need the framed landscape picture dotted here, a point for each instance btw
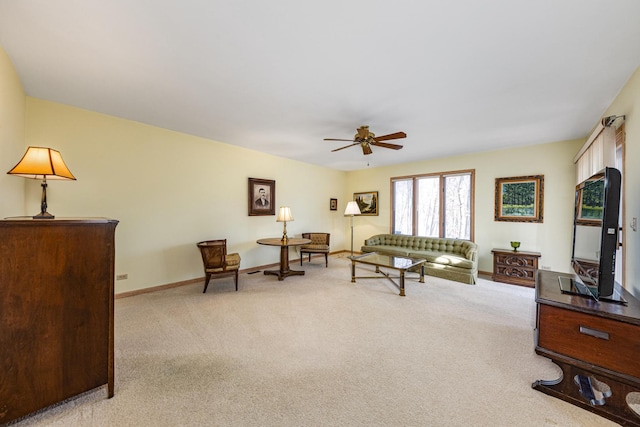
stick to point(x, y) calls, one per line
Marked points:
point(519, 199)
point(367, 202)
point(590, 197)
point(262, 197)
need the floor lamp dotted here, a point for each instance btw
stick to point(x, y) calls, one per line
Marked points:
point(352, 210)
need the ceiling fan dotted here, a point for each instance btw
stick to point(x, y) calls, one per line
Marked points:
point(366, 139)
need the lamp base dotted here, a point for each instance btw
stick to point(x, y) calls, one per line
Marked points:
point(43, 215)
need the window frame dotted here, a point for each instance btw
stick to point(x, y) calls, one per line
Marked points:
point(441, 183)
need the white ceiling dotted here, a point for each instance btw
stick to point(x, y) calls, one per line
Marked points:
point(278, 76)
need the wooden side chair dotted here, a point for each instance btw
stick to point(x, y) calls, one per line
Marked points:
point(319, 245)
point(217, 262)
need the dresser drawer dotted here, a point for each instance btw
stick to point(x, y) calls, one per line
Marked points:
point(516, 260)
point(596, 340)
point(506, 272)
point(517, 268)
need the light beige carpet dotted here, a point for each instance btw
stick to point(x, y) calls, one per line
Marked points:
point(318, 350)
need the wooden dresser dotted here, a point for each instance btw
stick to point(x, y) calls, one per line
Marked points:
point(517, 268)
point(56, 311)
point(589, 339)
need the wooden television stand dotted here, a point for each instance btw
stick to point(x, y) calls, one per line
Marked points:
point(595, 344)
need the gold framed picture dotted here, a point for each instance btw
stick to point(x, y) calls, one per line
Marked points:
point(367, 202)
point(519, 199)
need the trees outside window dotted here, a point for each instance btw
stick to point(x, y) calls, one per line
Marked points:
point(433, 205)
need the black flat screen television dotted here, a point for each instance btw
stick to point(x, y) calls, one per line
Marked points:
point(595, 238)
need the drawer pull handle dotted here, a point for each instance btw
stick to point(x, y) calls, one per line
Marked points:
point(594, 333)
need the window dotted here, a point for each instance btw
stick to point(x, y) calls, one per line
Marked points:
point(434, 205)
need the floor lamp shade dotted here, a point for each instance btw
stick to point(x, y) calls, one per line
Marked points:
point(351, 210)
point(42, 163)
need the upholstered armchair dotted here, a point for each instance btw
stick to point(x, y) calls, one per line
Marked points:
point(217, 262)
point(319, 245)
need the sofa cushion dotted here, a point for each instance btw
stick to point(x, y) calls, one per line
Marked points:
point(419, 243)
point(444, 259)
point(386, 250)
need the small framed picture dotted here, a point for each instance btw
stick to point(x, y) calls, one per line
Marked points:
point(367, 202)
point(333, 204)
point(262, 197)
point(520, 199)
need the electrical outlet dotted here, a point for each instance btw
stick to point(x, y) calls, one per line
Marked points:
point(545, 267)
point(122, 277)
point(634, 224)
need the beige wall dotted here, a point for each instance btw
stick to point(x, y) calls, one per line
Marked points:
point(552, 238)
point(12, 110)
point(628, 103)
point(170, 190)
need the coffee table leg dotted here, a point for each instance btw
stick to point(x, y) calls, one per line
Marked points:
point(353, 271)
point(401, 283)
point(422, 273)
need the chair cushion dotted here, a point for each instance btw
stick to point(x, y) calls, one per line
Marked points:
point(315, 248)
point(232, 261)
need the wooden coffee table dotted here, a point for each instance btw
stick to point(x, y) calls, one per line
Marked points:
point(402, 264)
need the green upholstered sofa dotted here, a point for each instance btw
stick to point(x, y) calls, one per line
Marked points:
point(453, 259)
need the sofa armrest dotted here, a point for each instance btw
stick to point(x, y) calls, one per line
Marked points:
point(471, 253)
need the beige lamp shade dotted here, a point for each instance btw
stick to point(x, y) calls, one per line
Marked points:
point(352, 209)
point(42, 163)
point(284, 214)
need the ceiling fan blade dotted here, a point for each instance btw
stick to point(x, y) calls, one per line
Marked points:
point(346, 146)
point(396, 135)
point(366, 139)
point(387, 145)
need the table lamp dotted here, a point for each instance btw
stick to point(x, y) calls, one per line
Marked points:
point(42, 163)
point(284, 215)
point(352, 210)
